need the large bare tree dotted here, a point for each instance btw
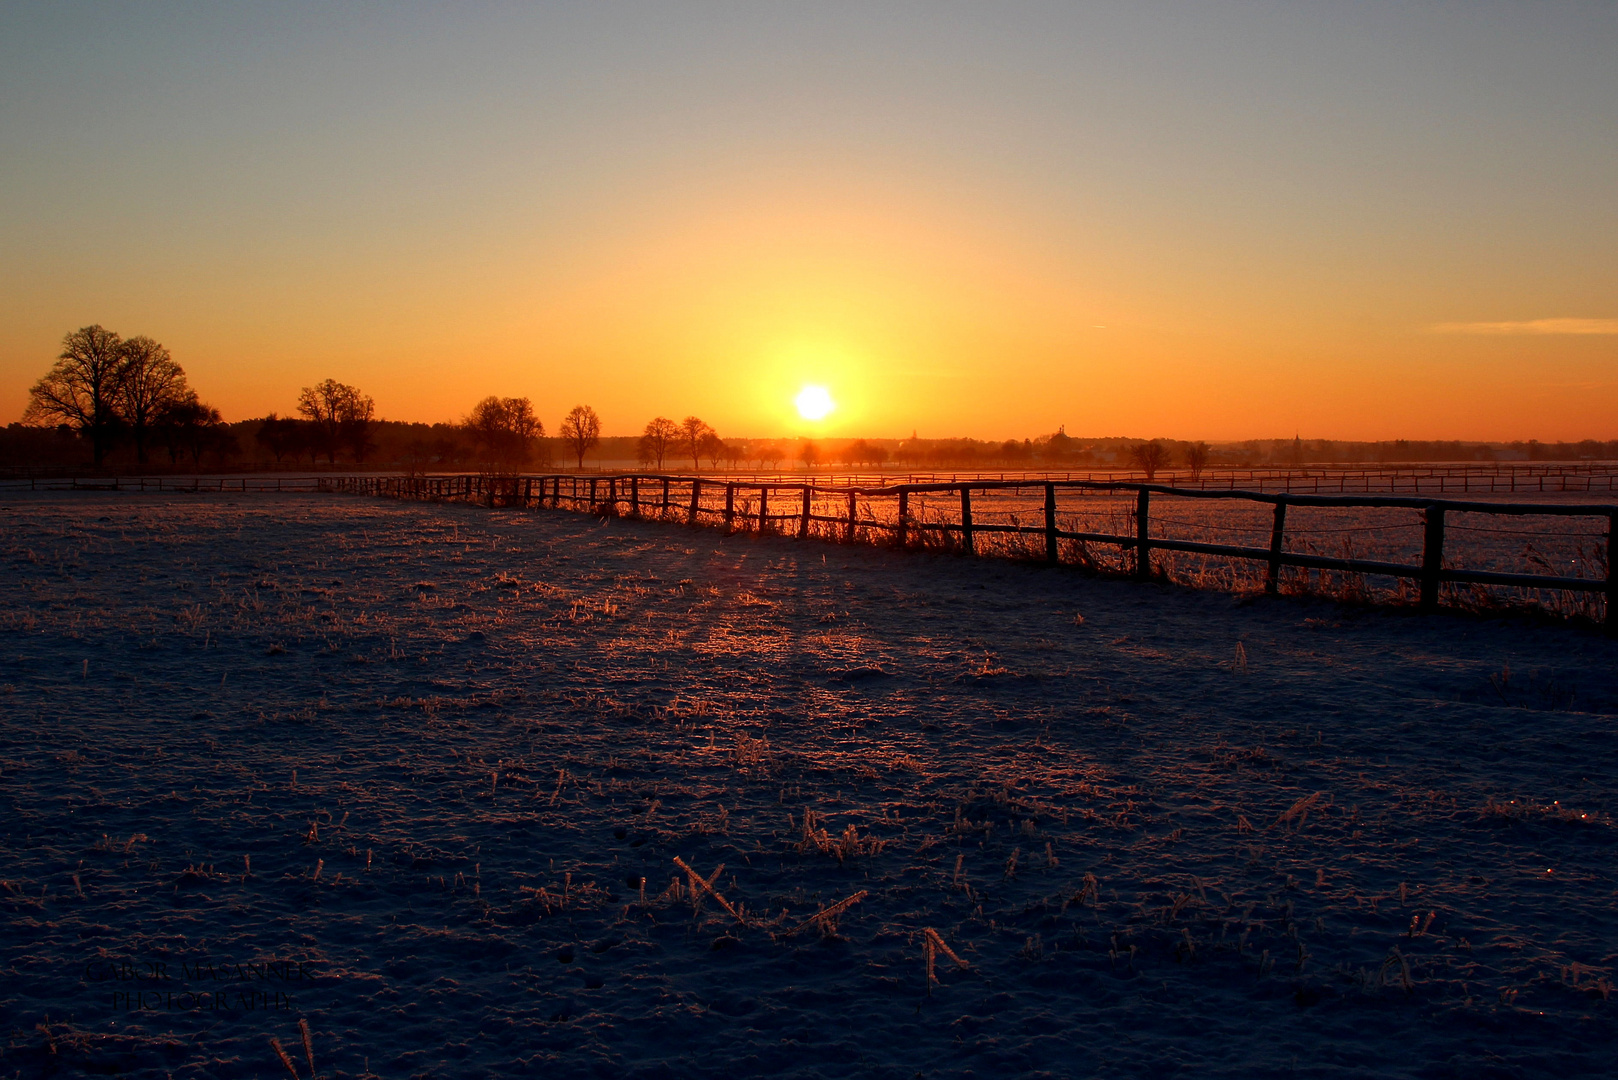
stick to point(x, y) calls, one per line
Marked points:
point(338, 414)
point(581, 430)
point(507, 428)
point(151, 382)
point(82, 388)
point(655, 441)
point(1196, 459)
point(1149, 457)
point(692, 431)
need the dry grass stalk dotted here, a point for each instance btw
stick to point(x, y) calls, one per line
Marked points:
point(1089, 891)
point(308, 1046)
point(931, 946)
point(826, 917)
point(848, 845)
point(1299, 812)
point(698, 882)
point(1397, 957)
point(281, 1053)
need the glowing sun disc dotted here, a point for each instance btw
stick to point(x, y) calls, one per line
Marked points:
point(815, 403)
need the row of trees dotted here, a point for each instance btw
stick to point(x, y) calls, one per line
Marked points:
point(107, 387)
point(336, 417)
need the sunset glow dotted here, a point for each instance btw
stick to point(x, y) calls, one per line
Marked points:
point(815, 403)
point(1126, 220)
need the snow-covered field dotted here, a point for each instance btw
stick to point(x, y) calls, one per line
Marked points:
point(420, 775)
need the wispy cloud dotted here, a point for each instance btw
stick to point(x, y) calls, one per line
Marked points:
point(1532, 326)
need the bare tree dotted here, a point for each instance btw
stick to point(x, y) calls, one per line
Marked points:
point(355, 423)
point(810, 455)
point(507, 428)
point(322, 405)
point(281, 436)
point(191, 427)
point(82, 389)
point(581, 430)
point(692, 432)
point(1196, 459)
point(339, 415)
point(151, 382)
point(713, 448)
point(1149, 457)
point(660, 434)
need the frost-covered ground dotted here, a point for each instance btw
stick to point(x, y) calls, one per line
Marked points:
point(433, 753)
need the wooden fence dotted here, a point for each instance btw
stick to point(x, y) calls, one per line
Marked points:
point(791, 508)
point(217, 484)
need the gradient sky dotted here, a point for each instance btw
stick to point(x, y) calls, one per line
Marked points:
point(1200, 220)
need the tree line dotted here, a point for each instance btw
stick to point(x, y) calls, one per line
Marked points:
point(105, 392)
point(108, 388)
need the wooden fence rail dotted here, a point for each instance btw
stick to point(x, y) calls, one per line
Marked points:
point(214, 484)
point(622, 495)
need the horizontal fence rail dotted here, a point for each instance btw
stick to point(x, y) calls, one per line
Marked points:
point(217, 484)
point(953, 519)
point(1494, 478)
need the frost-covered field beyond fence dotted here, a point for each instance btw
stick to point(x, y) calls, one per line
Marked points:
point(420, 775)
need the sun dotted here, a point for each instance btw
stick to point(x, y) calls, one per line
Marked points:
point(815, 403)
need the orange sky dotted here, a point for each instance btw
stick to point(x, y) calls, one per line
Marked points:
point(1347, 226)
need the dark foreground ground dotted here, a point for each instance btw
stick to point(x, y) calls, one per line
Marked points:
point(420, 775)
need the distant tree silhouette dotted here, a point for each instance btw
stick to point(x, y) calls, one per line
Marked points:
point(692, 432)
point(655, 441)
point(448, 451)
point(149, 383)
point(1149, 457)
point(336, 413)
point(772, 452)
point(581, 430)
point(82, 389)
point(714, 449)
point(280, 436)
point(506, 427)
point(355, 424)
point(1196, 459)
point(191, 428)
point(809, 455)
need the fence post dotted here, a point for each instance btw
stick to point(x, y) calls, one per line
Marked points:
point(1272, 580)
point(966, 519)
point(663, 508)
point(634, 496)
point(730, 506)
point(763, 509)
point(696, 500)
point(1050, 524)
point(853, 515)
point(1143, 533)
point(803, 524)
point(1612, 574)
point(592, 494)
point(904, 517)
point(1432, 555)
